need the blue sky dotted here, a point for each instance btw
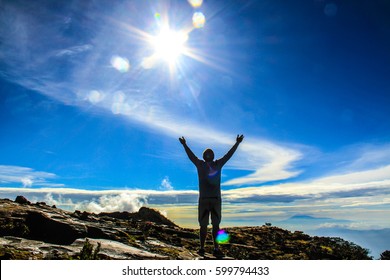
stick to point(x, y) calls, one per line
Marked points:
point(91, 111)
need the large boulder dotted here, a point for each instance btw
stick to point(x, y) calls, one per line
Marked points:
point(151, 215)
point(45, 228)
point(22, 200)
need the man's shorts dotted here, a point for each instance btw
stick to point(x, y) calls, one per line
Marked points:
point(207, 206)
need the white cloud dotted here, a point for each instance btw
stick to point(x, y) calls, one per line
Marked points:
point(26, 176)
point(323, 186)
point(271, 162)
point(59, 201)
point(166, 184)
point(93, 202)
point(360, 177)
point(101, 201)
point(111, 203)
point(27, 182)
point(369, 190)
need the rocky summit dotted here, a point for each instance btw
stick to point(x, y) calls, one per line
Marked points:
point(40, 231)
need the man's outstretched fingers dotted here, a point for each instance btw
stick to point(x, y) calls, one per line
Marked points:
point(182, 140)
point(240, 138)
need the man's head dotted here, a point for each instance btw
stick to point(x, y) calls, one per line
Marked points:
point(208, 155)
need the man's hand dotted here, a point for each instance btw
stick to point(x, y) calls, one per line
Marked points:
point(239, 138)
point(182, 140)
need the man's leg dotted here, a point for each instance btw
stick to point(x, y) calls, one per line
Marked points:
point(202, 236)
point(215, 234)
point(203, 218)
point(216, 216)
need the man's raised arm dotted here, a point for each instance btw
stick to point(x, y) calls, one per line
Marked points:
point(190, 154)
point(229, 154)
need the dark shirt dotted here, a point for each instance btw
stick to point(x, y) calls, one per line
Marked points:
point(209, 173)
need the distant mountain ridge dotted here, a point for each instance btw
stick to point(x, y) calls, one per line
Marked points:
point(40, 231)
point(377, 240)
point(305, 217)
point(309, 218)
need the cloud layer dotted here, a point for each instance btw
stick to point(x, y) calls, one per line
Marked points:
point(357, 200)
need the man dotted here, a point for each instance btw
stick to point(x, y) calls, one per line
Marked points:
point(209, 176)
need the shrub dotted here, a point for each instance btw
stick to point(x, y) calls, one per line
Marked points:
point(88, 252)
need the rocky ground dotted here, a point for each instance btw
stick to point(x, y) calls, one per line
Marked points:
point(40, 231)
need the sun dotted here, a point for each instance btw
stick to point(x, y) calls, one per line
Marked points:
point(169, 44)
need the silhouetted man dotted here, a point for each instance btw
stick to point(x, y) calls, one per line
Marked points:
point(209, 176)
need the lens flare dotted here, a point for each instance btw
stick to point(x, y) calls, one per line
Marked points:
point(198, 20)
point(195, 3)
point(157, 16)
point(94, 96)
point(212, 171)
point(121, 64)
point(222, 237)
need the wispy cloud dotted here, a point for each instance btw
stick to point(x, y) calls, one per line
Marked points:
point(26, 176)
point(355, 184)
point(368, 155)
point(73, 50)
point(269, 161)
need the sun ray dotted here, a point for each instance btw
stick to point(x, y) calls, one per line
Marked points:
point(207, 59)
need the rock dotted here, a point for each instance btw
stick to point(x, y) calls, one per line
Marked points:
point(40, 203)
point(22, 200)
point(114, 250)
point(44, 228)
point(151, 215)
point(143, 214)
point(21, 248)
point(118, 215)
